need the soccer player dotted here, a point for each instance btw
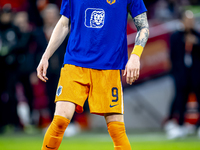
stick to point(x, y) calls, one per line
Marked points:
point(95, 55)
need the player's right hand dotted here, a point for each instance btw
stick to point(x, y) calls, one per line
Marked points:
point(42, 69)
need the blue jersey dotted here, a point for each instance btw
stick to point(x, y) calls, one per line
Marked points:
point(98, 37)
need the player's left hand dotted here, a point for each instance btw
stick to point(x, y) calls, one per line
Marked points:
point(132, 69)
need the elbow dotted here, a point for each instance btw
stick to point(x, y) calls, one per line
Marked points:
point(145, 30)
point(65, 27)
point(148, 31)
point(64, 23)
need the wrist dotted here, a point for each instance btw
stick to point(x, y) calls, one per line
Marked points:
point(137, 50)
point(45, 57)
point(135, 56)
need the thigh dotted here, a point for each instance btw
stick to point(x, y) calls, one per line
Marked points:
point(105, 95)
point(73, 86)
point(113, 117)
point(65, 109)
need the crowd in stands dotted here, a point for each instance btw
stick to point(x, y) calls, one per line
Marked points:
point(25, 29)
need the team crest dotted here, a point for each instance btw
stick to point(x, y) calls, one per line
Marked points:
point(59, 91)
point(111, 1)
point(94, 18)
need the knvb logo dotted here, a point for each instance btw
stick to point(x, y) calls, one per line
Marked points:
point(111, 1)
point(59, 91)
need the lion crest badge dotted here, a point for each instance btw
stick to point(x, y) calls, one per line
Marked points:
point(111, 1)
point(94, 18)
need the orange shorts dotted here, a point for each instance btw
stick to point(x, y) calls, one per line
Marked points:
point(103, 88)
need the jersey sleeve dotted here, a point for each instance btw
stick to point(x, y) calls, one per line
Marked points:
point(65, 8)
point(136, 7)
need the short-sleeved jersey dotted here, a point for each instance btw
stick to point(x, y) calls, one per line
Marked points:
point(98, 37)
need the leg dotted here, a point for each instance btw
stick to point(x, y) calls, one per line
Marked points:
point(197, 93)
point(172, 109)
point(65, 109)
point(182, 101)
point(116, 129)
point(63, 114)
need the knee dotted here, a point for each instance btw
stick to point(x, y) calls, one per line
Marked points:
point(60, 123)
point(65, 109)
point(63, 114)
point(118, 134)
point(115, 128)
point(114, 118)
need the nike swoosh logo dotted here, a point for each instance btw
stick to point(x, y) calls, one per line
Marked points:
point(113, 105)
point(50, 147)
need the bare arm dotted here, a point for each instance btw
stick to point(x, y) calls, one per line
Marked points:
point(133, 65)
point(59, 33)
point(142, 26)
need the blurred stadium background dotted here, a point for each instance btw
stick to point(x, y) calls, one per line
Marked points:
point(27, 104)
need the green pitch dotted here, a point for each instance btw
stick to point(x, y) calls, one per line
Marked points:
point(97, 141)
